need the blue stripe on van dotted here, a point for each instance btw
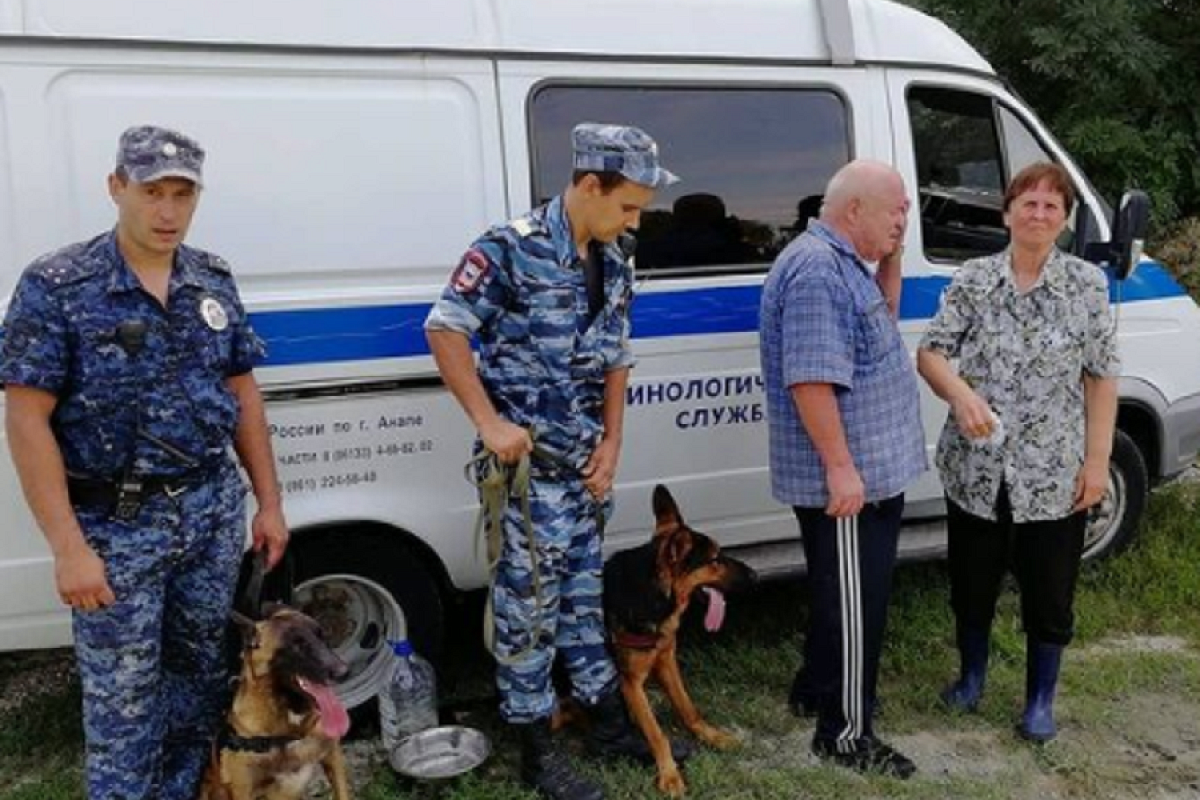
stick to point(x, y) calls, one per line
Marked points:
point(370, 332)
point(360, 333)
point(357, 333)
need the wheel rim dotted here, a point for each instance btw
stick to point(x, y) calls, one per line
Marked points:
point(358, 616)
point(1104, 519)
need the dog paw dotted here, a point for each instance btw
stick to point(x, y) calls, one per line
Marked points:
point(715, 737)
point(670, 783)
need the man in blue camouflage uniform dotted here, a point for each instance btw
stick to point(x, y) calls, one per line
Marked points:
point(126, 363)
point(554, 358)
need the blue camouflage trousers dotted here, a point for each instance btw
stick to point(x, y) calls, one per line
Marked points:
point(152, 665)
point(569, 622)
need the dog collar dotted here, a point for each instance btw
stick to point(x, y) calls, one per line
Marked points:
point(636, 641)
point(229, 740)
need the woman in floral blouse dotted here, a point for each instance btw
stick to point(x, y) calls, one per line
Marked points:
point(1025, 450)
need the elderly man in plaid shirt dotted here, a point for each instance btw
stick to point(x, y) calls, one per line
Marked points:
point(846, 439)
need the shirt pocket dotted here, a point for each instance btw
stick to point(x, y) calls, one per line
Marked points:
point(552, 308)
point(878, 335)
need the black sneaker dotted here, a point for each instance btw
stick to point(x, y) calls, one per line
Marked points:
point(867, 755)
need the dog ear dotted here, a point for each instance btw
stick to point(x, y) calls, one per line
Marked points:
point(247, 627)
point(666, 512)
point(676, 549)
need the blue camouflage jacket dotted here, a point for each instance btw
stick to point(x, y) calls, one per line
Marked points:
point(521, 290)
point(137, 384)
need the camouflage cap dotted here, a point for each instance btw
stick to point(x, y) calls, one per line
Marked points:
point(148, 153)
point(619, 148)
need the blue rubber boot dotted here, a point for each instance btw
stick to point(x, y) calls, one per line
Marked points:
point(1042, 662)
point(966, 692)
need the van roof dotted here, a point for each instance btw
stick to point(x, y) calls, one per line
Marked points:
point(837, 31)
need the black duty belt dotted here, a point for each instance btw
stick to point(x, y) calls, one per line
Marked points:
point(124, 497)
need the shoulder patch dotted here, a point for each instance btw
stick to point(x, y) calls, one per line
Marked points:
point(522, 226)
point(470, 272)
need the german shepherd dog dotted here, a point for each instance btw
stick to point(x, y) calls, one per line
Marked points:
point(646, 591)
point(285, 718)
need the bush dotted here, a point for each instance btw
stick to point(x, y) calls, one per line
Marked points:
point(1179, 248)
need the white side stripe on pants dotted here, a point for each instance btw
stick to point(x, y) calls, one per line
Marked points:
point(852, 633)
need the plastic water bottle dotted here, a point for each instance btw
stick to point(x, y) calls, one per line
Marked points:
point(408, 702)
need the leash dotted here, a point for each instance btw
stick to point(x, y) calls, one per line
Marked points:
point(249, 601)
point(497, 484)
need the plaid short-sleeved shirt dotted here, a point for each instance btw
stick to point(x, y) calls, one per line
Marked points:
point(825, 320)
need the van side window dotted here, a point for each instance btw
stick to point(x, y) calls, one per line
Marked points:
point(966, 147)
point(960, 174)
point(753, 163)
point(1023, 149)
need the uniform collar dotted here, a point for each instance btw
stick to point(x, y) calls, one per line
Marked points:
point(835, 240)
point(187, 268)
point(560, 232)
point(184, 272)
point(122, 278)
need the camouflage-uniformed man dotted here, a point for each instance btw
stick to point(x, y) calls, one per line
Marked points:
point(126, 363)
point(554, 360)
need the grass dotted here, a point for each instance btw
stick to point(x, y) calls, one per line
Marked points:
point(1129, 714)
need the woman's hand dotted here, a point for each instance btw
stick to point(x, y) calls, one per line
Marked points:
point(973, 415)
point(1090, 485)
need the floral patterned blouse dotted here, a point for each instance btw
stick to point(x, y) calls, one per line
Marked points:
point(1026, 354)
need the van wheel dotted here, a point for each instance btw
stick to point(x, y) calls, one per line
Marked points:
point(365, 589)
point(1112, 523)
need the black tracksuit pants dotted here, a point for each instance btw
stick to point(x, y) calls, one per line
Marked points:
point(850, 563)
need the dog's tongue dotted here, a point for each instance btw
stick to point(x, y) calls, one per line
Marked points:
point(715, 616)
point(334, 719)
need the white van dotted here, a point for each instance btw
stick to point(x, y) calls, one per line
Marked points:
point(355, 151)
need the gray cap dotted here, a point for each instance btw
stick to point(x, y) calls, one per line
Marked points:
point(619, 148)
point(148, 153)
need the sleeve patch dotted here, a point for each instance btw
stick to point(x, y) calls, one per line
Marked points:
point(470, 272)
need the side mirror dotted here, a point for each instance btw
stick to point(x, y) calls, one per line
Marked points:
point(1130, 223)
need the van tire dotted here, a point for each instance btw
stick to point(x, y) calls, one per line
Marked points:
point(368, 570)
point(1112, 524)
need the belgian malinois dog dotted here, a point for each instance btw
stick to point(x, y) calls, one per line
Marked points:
point(285, 718)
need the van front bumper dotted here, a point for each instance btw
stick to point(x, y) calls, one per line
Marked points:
point(1181, 435)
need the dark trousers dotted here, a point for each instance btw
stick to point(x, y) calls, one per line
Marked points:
point(850, 564)
point(1044, 557)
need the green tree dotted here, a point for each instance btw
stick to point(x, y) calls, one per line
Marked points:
point(1116, 80)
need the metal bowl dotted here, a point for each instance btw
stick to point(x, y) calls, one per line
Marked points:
point(442, 752)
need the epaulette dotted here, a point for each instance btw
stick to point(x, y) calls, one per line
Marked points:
point(219, 264)
point(68, 265)
point(527, 226)
point(205, 259)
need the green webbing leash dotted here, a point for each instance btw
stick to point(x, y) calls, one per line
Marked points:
point(497, 483)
